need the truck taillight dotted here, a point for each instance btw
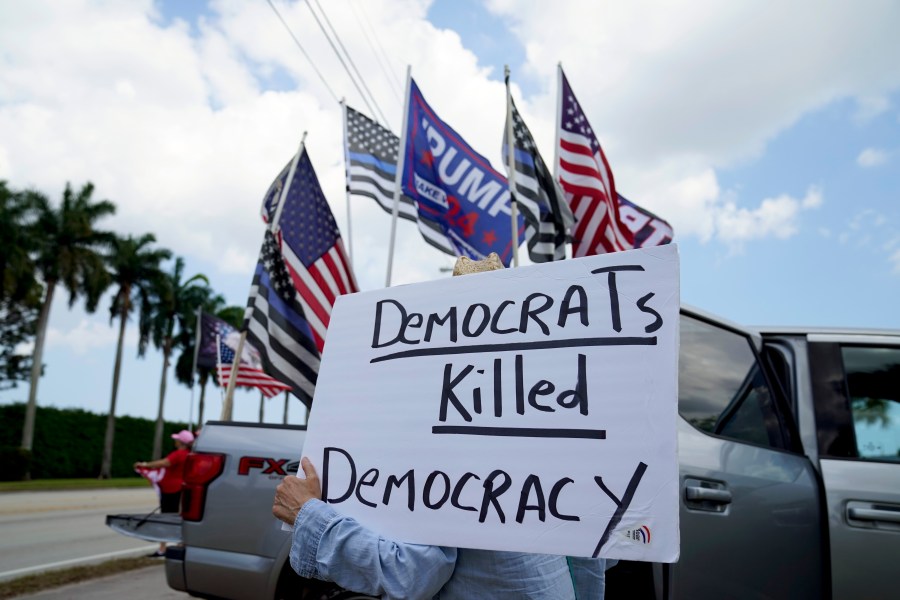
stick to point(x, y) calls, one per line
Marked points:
point(200, 470)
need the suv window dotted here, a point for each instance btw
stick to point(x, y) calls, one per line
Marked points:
point(721, 387)
point(873, 386)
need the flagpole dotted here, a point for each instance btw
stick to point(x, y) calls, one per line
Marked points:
point(194, 369)
point(273, 226)
point(511, 170)
point(262, 406)
point(347, 182)
point(228, 403)
point(398, 177)
point(286, 398)
point(232, 379)
point(557, 127)
point(219, 368)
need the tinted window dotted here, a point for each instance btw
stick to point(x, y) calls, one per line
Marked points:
point(873, 385)
point(721, 388)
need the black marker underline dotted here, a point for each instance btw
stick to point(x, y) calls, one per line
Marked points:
point(594, 434)
point(570, 343)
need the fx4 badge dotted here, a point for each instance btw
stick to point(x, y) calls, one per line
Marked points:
point(270, 466)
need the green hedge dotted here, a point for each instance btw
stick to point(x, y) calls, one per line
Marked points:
point(68, 443)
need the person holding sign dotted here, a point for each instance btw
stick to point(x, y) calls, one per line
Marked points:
point(326, 545)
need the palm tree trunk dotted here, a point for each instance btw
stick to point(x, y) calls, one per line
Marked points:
point(158, 433)
point(36, 358)
point(106, 464)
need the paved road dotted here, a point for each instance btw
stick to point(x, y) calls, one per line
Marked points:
point(45, 530)
point(143, 584)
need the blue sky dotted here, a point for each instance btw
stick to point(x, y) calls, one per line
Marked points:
point(777, 163)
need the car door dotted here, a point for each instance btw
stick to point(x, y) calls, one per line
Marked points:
point(856, 393)
point(750, 516)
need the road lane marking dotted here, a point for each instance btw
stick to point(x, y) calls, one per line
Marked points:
point(74, 561)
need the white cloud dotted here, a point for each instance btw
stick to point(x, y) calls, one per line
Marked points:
point(718, 80)
point(865, 219)
point(813, 198)
point(862, 229)
point(895, 259)
point(676, 95)
point(179, 132)
point(235, 261)
point(869, 107)
point(696, 206)
point(774, 217)
point(90, 335)
point(871, 157)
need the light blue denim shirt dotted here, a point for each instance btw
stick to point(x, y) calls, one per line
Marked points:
point(329, 546)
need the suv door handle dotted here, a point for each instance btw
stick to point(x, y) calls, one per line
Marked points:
point(696, 493)
point(873, 514)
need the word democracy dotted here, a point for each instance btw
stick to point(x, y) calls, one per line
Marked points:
point(439, 490)
point(394, 324)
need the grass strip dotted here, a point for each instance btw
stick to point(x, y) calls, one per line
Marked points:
point(37, 485)
point(31, 584)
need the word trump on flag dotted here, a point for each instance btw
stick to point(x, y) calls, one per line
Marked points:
point(455, 186)
point(530, 409)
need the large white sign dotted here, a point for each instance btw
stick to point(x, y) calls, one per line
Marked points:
point(530, 409)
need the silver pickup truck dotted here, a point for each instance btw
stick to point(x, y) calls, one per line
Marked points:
point(789, 452)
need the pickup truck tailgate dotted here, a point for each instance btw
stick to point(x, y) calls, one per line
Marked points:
point(153, 527)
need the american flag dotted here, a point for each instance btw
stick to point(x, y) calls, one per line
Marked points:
point(372, 169)
point(247, 375)
point(154, 476)
point(537, 195)
point(313, 250)
point(298, 277)
point(588, 182)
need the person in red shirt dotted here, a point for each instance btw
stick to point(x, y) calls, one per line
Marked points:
point(172, 478)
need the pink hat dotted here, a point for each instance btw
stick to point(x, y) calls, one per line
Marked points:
point(184, 436)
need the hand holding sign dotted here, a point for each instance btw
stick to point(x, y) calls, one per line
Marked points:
point(293, 492)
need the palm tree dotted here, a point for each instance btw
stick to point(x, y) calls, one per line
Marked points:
point(233, 315)
point(17, 243)
point(20, 290)
point(174, 303)
point(68, 253)
point(135, 269)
